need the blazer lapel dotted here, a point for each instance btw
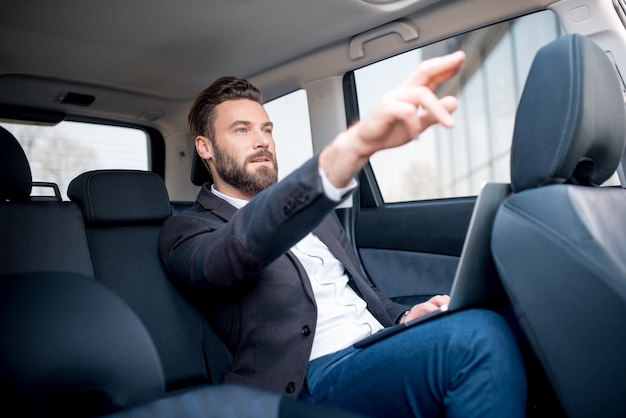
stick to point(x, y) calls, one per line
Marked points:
point(225, 211)
point(219, 207)
point(326, 234)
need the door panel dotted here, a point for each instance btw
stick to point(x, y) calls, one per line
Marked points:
point(411, 250)
point(407, 276)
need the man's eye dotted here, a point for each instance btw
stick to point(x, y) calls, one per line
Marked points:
point(242, 130)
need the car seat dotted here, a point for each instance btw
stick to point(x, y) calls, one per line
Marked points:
point(37, 235)
point(559, 242)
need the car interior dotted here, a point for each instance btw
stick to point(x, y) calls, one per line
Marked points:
point(95, 154)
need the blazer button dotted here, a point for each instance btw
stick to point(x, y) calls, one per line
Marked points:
point(291, 387)
point(306, 331)
point(302, 198)
point(289, 207)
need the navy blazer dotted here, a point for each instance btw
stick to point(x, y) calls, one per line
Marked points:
point(236, 267)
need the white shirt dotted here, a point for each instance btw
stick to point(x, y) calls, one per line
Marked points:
point(342, 316)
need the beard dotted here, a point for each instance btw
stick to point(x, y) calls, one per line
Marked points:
point(237, 175)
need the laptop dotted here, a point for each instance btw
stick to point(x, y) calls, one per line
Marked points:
point(476, 279)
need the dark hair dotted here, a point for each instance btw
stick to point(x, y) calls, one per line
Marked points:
point(202, 112)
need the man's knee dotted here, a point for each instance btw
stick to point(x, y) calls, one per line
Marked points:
point(480, 323)
point(484, 357)
point(485, 334)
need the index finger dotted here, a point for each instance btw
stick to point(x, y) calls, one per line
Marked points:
point(434, 71)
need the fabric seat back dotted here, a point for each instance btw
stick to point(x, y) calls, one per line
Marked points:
point(36, 235)
point(70, 347)
point(124, 211)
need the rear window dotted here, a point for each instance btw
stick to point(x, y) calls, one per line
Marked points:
point(59, 153)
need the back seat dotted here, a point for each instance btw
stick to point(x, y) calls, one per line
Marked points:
point(89, 323)
point(48, 296)
point(123, 212)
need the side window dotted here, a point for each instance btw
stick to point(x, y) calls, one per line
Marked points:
point(292, 130)
point(59, 153)
point(456, 162)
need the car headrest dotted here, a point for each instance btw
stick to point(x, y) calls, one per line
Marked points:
point(16, 180)
point(200, 174)
point(120, 196)
point(70, 344)
point(570, 125)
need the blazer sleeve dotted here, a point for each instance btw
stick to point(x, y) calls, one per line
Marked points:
point(200, 250)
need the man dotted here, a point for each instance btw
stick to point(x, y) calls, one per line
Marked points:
point(277, 279)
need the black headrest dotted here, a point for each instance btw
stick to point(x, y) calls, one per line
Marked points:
point(16, 180)
point(571, 123)
point(70, 346)
point(200, 174)
point(120, 196)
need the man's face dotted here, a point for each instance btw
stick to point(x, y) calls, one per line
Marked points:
point(243, 148)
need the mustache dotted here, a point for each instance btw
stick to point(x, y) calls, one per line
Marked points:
point(261, 154)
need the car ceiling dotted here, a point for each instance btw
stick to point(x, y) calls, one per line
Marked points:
point(155, 55)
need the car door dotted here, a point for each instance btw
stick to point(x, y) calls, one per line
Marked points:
point(409, 250)
point(413, 206)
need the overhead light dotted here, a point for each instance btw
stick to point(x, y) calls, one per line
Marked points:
point(77, 99)
point(380, 1)
point(151, 115)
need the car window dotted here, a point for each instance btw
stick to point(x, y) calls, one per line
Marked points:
point(59, 153)
point(456, 162)
point(292, 130)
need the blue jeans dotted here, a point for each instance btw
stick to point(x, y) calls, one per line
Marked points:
point(466, 364)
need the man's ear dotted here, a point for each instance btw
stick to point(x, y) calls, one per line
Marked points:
point(204, 147)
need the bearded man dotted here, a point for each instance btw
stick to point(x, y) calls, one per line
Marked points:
point(274, 274)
